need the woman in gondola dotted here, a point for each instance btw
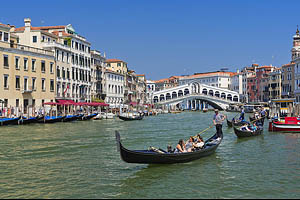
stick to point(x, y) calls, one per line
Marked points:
point(180, 148)
point(189, 146)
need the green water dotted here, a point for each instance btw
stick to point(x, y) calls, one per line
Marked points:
point(80, 160)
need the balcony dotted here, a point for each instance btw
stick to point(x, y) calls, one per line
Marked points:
point(32, 49)
point(27, 90)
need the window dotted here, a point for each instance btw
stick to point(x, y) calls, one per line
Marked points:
point(5, 81)
point(17, 62)
point(33, 65)
point(43, 84)
point(58, 72)
point(17, 102)
point(25, 64)
point(17, 82)
point(43, 66)
point(5, 60)
point(34, 39)
point(33, 83)
point(25, 83)
point(0, 35)
point(5, 37)
point(62, 56)
point(51, 68)
point(51, 85)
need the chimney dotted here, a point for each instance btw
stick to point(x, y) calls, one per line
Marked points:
point(27, 22)
point(12, 28)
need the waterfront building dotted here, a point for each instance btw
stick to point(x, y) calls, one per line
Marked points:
point(72, 53)
point(141, 89)
point(247, 72)
point(97, 74)
point(275, 83)
point(114, 88)
point(219, 79)
point(237, 83)
point(117, 65)
point(167, 83)
point(27, 74)
point(150, 88)
point(288, 80)
point(296, 60)
point(258, 83)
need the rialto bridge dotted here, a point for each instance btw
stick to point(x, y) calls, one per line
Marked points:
point(195, 96)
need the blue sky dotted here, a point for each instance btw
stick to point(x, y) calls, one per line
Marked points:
point(161, 38)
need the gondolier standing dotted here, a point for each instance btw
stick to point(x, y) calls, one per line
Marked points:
point(218, 122)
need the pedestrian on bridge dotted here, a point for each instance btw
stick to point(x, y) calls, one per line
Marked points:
point(218, 122)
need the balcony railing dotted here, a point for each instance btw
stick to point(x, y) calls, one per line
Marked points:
point(31, 49)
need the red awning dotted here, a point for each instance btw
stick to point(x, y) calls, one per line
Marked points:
point(66, 102)
point(92, 104)
point(50, 103)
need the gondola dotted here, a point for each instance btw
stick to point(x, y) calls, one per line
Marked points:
point(229, 123)
point(163, 157)
point(9, 121)
point(51, 120)
point(88, 117)
point(71, 118)
point(239, 133)
point(131, 118)
point(30, 120)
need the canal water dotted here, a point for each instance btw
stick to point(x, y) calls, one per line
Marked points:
point(80, 160)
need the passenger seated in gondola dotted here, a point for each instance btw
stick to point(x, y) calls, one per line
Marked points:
point(199, 143)
point(169, 149)
point(180, 148)
point(190, 144)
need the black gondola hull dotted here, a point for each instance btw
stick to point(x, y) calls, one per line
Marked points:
point(51, 121)
point(239, 133)
point(130, 118)
point(10, 122)
point(150, 157)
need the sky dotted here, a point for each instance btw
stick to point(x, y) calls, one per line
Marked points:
point(161, 38)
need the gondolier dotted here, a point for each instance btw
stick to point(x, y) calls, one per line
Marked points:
point(218, 122)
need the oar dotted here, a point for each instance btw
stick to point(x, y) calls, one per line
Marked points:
point(205, 130)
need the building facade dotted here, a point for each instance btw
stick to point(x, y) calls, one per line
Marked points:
point(275, 78)
point(114, 88)
point(296, 59)
point(27, 75)
point(288, 80)
point(97, 71)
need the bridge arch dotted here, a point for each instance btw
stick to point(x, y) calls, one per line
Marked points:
point(211, 92)
point(229, 97)
point(174, 95)
point(155, 99)
point(180, 93)
point(236, 98)
point(223, 95)
point(186, 91)
point(168, 96)
point(161, 97)
point(204, 91)
point(217, 94)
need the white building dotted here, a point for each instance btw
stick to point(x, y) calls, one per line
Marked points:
point(73, 57)
point(98, 66)
point(114, 88)
point(150, 88)
point(214, 79)
point(296, 60)
point(237, 83)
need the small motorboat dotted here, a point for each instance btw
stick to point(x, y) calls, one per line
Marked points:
point(245, 133)
point(159, 156)
point(288, 124)
point(9, 121)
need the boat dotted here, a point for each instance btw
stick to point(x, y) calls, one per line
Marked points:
point(88, 117)
point(229, 123)
point(50, 120)
point(205, 110)
point(9, 121)
point(70, 118)
point(175, 111)
point(29, 120)
point(131, 118)
point(241, 133)
point(152, 156)
point(289, 124)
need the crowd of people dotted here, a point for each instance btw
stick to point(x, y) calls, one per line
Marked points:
point(191, 145)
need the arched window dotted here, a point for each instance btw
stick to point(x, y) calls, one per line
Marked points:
point(211, 93)
point(204, 91)
point(217, 94)
point(155, 99)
